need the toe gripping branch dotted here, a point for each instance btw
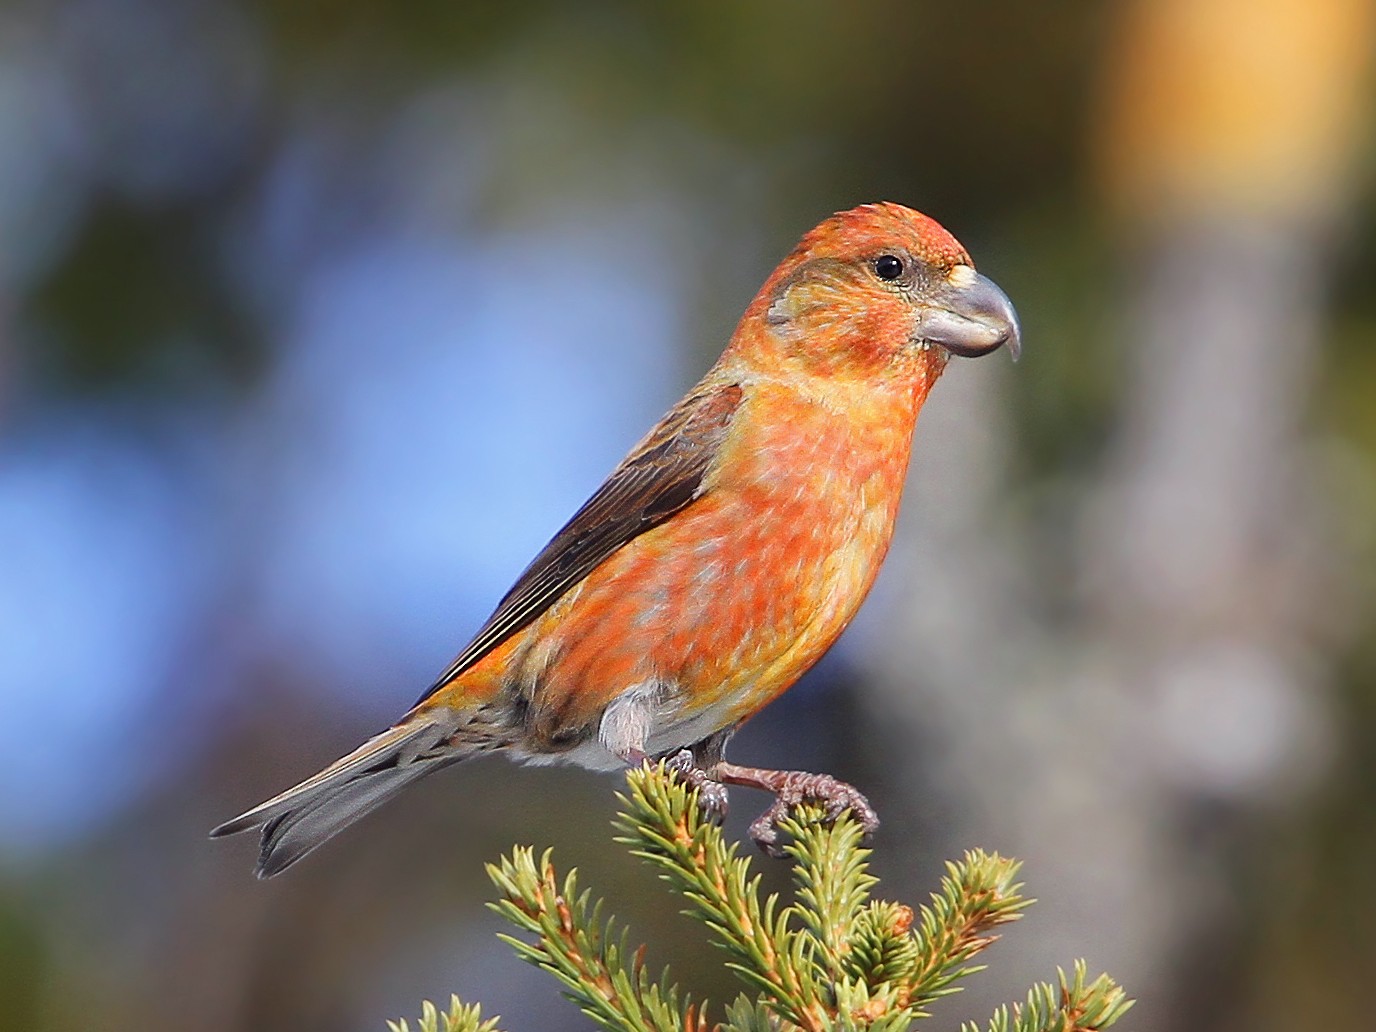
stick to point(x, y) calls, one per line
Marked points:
point(790, 788)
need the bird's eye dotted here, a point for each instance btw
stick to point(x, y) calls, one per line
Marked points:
point(888, 267)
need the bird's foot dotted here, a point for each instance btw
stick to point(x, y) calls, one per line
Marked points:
point(713, 800)
point(792, 788)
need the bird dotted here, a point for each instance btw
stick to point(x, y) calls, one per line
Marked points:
point(718, 561)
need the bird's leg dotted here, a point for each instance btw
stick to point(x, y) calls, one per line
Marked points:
point(696, 765)
point(713, 799)
point(687, 766)
point(790, 788)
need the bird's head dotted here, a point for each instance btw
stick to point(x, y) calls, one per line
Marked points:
point(878, 290)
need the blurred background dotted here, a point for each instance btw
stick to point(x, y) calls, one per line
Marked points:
point(316, 319)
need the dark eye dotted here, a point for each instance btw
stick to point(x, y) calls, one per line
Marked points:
point(888, 267)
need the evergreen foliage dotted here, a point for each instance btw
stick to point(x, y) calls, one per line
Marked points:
point(834, 959)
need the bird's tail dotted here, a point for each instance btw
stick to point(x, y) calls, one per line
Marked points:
point(303, 817)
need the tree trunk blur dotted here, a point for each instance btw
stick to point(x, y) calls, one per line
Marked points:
point(1178, 696)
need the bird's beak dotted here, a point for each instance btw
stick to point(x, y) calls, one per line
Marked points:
point(970, 316)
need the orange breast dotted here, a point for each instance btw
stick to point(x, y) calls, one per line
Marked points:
point(732, 599)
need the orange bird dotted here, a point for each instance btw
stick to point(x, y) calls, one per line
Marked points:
point(718, 561)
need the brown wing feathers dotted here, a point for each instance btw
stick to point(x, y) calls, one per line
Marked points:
point(662, 476)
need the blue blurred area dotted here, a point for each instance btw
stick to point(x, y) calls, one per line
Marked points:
point(371, 500)
point(436, 401)
point(111, 569)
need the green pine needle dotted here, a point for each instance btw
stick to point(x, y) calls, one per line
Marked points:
point(834, 883)
point(582, 951)
point(1074, 1007)
point(834, 959)
point(663, 825)
point(977, 895)
point(460, 1017)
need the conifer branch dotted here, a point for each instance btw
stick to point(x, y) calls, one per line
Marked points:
point(663, 825)
point(834, 959)
point(977, 895)
point(1074, 1007)
point(834, 883)
point(584, 953)
point(461, 1017)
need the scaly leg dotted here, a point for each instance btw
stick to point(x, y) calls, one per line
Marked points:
point(695, 765)
point(713, 799)
point(790, 788)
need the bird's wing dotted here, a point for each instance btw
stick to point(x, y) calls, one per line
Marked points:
point(661, 476)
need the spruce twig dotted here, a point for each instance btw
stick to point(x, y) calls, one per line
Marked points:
point(834, 882)
point(663, 825)
point(833, 959)
point(583, 952)
point(977, 895)
point(1076, 1006)
point(460, 1017)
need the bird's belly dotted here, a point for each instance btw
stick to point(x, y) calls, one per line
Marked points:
point(718, 611)
point(671, 730)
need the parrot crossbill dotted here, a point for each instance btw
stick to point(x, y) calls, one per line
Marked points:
point(718, 561)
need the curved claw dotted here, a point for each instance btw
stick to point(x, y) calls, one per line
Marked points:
point(713, 799)
point(792, 788)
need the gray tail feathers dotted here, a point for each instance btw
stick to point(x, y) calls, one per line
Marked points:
point(302, 818)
